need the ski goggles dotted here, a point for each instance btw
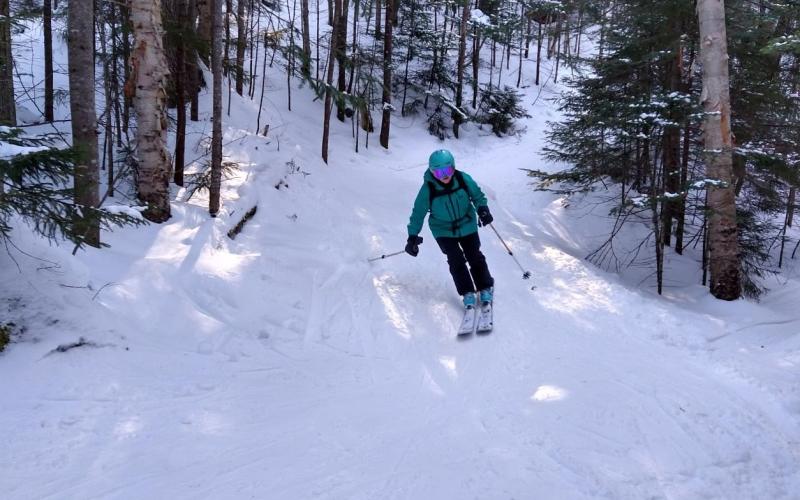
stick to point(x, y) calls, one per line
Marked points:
point(442, 173)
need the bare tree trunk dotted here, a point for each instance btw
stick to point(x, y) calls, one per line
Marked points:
point(341, 56)
point(326, 118)
point(47, 20)
point(521, 45)
point(378, 23)
point(786, 223)
point(723, 242)
point(671, 147)
point(241, 44)
point(790, 207)
point(558, 50)
point(108, 136)
point(476, 63)
point(304, 22)
point(80, 48)
point(687, 142)
point(216, 128)
point(316, 44)
point(462, 49)
point(680, 229)
point(182, 21)
point(115, 75)
point(263, 86)
point(253, 45)
point(125, 15)
point(387, 76)
point(192, 68)
point(149, 73)
point(290, 57)
point(8, 112)
point(205, 27)
point(539, 53)
point(409, 54)
point(354, 53)
point(226, 63)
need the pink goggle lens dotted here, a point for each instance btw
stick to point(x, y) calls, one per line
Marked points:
point(443, 172)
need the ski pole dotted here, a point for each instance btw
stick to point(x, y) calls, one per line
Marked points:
point(525, 274)
point(373, 259)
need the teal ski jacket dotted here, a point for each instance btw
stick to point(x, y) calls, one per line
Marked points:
point(452, 209)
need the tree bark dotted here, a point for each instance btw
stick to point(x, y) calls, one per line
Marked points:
point(216, 128)
point(182, 18)
point(476, 64)
point(326, 118)
point(205, 27)
point(80, 50)
point(462, 50)
point(47, 19)
point(8, 112)
point(723, 243)
point(241, 39)
point(539, 53)
point(149, 73)
point(341, 57)
point(226, 64)
point(387, 76)
point(192, 67)
point(378, 23)
point(304, 23)
point(671, 149)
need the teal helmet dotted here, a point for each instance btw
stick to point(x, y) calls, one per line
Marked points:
point(441, 158)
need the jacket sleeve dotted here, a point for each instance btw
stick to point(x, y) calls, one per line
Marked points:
point(421, 206)
point(475, 194)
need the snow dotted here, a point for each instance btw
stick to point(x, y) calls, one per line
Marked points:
point(283, 365)
point(135, 212)
point(8, 150)
point(478, 17)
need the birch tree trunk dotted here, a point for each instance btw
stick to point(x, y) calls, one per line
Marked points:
point(722, 231)
point(8, 112)
point(216, 128)
point(80, 51)
point(149, 72)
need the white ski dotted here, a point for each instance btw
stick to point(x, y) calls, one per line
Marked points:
point(485, 318)
point(468, 323)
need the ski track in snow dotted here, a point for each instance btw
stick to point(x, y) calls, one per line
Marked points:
point(346, 393)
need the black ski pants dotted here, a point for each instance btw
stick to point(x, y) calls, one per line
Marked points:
point(463, 250)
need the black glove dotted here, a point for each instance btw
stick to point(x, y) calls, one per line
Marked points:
point(484, 216)
point(412, 246)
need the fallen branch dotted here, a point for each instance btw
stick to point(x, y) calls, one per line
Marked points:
point(238, 227)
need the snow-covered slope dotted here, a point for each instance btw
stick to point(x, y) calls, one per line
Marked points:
point(283, 365)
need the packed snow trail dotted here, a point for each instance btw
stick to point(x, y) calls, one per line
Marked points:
point(283, 365)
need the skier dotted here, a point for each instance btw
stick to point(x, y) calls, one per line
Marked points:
point(452, 197)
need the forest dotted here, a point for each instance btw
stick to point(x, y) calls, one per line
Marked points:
point(637, 120)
